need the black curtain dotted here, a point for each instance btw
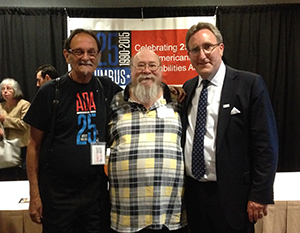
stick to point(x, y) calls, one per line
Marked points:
point(262, 39)
point(28, 39)
point(265, 40)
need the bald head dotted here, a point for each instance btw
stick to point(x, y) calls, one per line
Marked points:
point(145, 52)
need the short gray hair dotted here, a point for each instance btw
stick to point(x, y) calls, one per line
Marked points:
point(18, 94)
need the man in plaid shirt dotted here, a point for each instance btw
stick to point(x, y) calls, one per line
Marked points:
point(146, 169)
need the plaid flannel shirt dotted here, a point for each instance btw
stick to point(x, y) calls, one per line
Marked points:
point(146, 166)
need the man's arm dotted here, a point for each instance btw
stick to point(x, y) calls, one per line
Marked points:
point(265, 151)
point(32, 159)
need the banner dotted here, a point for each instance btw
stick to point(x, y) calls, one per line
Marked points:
point(123, 38)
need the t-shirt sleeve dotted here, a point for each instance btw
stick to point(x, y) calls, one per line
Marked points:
point(39, 112)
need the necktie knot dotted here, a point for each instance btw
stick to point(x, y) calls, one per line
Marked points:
point(205, 83)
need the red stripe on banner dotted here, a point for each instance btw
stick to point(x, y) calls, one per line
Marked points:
point(170, 46)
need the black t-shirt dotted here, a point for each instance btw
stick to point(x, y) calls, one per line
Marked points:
point(82, 110)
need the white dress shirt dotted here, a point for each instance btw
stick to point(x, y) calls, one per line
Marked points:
point(214, 95)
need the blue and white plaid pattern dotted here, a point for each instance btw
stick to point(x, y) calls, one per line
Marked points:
point(146, 169)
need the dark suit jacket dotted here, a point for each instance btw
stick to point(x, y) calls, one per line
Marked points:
point(246, 143)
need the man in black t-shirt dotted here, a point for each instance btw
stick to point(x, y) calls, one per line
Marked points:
point(68, 192)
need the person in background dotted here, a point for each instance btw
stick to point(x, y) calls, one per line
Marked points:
point(12, 112)
point(237, 144)
point(68, 193)
point(44, 74)
point(146, 165)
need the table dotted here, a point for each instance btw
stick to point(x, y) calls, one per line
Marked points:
point(14, 217)
point(284, 215)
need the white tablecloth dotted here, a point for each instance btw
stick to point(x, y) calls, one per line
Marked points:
point(283, 217)
point(10, 194)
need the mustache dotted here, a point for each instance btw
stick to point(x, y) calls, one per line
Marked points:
point(142, 77)
point(85, 63)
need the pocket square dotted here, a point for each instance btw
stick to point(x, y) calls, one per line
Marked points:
point(234, 111)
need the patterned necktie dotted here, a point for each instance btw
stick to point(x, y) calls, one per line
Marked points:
point(198, 164)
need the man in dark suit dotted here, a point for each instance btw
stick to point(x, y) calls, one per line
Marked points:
point(239, 142)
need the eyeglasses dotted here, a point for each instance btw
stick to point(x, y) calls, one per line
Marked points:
point(143, 66)
point(206, 48)
point(79, 52)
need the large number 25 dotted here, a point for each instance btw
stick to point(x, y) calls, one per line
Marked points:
point(112, 48)
point(86, 122)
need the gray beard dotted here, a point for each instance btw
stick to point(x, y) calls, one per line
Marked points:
point(146, 94)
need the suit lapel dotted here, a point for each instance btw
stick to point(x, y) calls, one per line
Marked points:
point(190, 88)
point(226, 104)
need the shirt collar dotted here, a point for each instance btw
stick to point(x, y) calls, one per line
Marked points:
point(218, 79)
